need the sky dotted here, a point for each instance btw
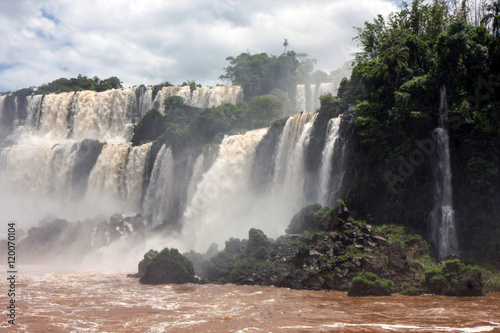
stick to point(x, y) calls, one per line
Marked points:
point(153, 41)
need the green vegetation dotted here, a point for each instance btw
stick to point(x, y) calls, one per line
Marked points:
point(311, 217)
point(168, 266)
point(454, 279)
point(260, 74)
point(395, 91)
point(367, 284)
point(403, 236)
point(185, 127)
point(74, 84)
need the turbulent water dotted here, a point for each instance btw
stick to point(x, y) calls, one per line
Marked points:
point(110, 302)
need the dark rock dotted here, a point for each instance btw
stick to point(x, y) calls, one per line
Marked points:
point(341, 212)
point(454, 279)
point(169, 266)
point(148, 256)
point(233, 245)
point(369, 284)
point(256, 238)
point(397, 259)
point(334, 236)
point(367, 229)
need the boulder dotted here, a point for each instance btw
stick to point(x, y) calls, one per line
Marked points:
point(169, 266)
point(148, 256)
point(369, 284)
point(454, 279)
point(397, 259)
point(256, 238)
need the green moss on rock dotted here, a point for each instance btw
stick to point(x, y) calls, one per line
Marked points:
point(169, 266)
point(454, 278)
point(369, 284)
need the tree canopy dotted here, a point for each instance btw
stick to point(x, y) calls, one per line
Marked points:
point(259, 74)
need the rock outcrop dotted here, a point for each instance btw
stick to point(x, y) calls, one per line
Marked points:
point(169, 266)
point(454, 279)
point(369, 284)
point(143, 264)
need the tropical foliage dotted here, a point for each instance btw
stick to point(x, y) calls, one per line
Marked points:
point(406, 60)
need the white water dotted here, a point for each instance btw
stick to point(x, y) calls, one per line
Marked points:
point(50, 167)
point(158, 203)
point(204, 97)
point(327, 188)
point(43, 157)
point(288, 182)
point(117, 178)
point(307, 95)
point(442, 216)
point(222, 206)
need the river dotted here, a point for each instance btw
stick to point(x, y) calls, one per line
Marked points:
point(111, 302)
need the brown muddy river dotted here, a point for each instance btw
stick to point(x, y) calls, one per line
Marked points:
point(111, 302)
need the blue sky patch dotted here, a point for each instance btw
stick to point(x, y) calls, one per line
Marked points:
point(4, 66)
point(49, 16)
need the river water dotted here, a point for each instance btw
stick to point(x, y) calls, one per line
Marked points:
point(111, 302)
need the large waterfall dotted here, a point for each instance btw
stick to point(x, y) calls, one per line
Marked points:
point(68, 155)
point(442, 216)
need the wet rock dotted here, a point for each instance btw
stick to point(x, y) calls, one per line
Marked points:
point(169, 266)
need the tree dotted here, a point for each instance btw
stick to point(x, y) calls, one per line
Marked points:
point(370, 38)
point(285, 44)
point(394, 55)
point(265, 109)
point(492, 19)
point(259, 74)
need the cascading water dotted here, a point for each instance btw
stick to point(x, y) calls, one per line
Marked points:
point(331, 170)
point(288, 182)
point(442, 219)
point(307, 95)
point(117, 179)
point(52, 154)
point(158, 203)
point(70, 156)
point(222, 206)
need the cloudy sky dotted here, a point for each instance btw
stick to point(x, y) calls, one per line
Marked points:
point(152, 41)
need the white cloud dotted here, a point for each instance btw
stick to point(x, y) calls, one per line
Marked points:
point(154, 41)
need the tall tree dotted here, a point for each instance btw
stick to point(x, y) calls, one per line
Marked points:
point(492, 18)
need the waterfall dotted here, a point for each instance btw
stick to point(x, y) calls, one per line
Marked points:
point(2, 101)
point(117, 179)
point(442, 219)
point(331, 169)
point(158, 203)
point(222, 206)
point(69, 155)
point(201, 97)
point(288, 182)
point(307, 95)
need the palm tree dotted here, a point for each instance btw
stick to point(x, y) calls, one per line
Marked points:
point(394, 55)
point(493, 16)
point(285, 44)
